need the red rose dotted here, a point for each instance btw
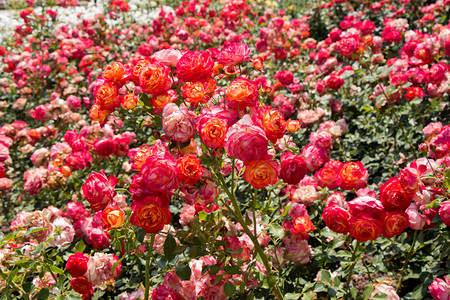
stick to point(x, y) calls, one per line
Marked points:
point(365, 228)
point(77, 264)
point(336, 218)
point(195, 66)
point(393, 196)
point(293, 168)
point(189, 169)
point(150, 215)
point(395, 223)
point(352, 175)
point(82, 285)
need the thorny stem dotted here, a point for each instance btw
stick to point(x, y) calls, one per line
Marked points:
point(350, 273)
point(408, 257)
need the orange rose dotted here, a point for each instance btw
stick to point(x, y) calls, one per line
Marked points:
point(114, 71)
point(149, 215)
point(261, 173)
point(353, 175)
point(242, 93)
point(154, 78)
point(105, 96)
point(97, 114)
point(129, 101)
point(137, 69)
point(293, 125)
point(273, 124)
point(141, 156)
point(162, 100)
point(212, 131)
point(302, 225)
point(189, 169)
point(195, 93)
point(113, 217)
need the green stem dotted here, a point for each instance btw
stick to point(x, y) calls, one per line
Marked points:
point(240, 219)
point(350, 272)
point(254, 211)
point(408, 257)
point(147, 266)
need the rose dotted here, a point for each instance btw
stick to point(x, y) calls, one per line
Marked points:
point(246, 142)
point(293, 125)
point(198, 92)
point(138, 68)
point(321, 139)
point(273, 123)
point(129, 101)
point(82, 285)
point(189, 169)
point(179, 122)
point(105, 147)
point(212, 131)
point(393, 196)
point(242, 93)
point(444, 212)
point(395, 223)
point(169, 57)
point(327, 178)
point(261, 173)
point(114, 71)
point(293, 168)
point(100, 267)
point(99, 190)
point(154, 78)
point(365, 228)
point(77, 264)
point(409, 179)
point(105, 96)
point(234, 54)
point(336, 218)
point(150, 215)
point(440, 289)
point(314, 157)
point(160, 101)
point(97, 114)
point(113, 217)
point(195, 66)
point(368, 205)
point(98, 238)
point(352, 175)
point(157, 174)
point(302, 225)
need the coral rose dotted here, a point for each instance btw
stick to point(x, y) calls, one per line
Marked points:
point(242, 93)
point(261, 173)
point(336, 218)
point(352, 175)
point(113, 217)
point(212, 131)
point(189, 169)
point(114, 71)
point(154, 78)
point(105, 96)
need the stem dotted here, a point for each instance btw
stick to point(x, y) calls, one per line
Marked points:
point(350, 273)
point(408, 257)
point(254, 211)
point(147, 266)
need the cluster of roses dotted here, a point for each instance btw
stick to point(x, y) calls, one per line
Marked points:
point(96, 270)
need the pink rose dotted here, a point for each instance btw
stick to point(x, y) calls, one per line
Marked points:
point(179, 122)
point(432, 129)
point(99, 268)
point(444, 212)
point(440, 289)
point(417, 220)
point(168, 57)
point(99, 190)
point(315, 157)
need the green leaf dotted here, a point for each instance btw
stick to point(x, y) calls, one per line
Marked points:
point(367, 291)
point(169, 247)
point(380, 296)
point(286, 210)
point(140, 235)
point(79, 247)
point(213, 270)
point(232, 270)
point(325, 277)
point(276, 230)
point(184, 272)
point(353, 292)
point(202, 215)
point(43, 294)
point(229, 289)
point(343, 253)
point(56, 270)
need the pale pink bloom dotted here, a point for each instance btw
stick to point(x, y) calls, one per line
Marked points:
point(423, 195)
point(62, 233)
point(416, 220)
point(386, 289)
point(432, 129)
point(99, 269)
point(297, 250)
point(187, 215)
point(179, 122)
point(321, 139)
point(51, 213)
point(314, 157)
point(168, 57)
point(4, 153)
point(39, 157)
point(5, 184)
point(306, 195)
